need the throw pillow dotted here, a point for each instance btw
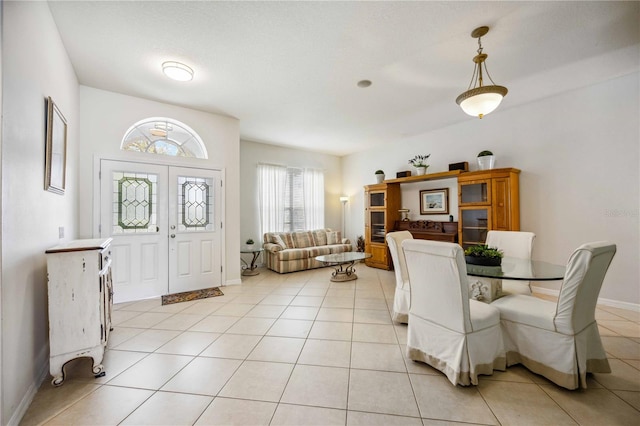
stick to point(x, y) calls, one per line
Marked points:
point(334, 237)
point(276, 239)
point(319, 237)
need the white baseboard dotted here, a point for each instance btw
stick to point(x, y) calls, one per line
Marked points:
point(42, 360)
point(233, 282)
point(601, 301)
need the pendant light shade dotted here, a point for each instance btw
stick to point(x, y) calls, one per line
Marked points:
point(480, 100)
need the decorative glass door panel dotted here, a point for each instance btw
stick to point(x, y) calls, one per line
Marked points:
point(195, 204)
point(134, 202)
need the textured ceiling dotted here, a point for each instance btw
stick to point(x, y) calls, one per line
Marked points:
point(288, 70)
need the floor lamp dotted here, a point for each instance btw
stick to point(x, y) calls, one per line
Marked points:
point(344, 200)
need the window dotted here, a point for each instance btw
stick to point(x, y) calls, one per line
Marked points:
point(164, 136)
point(290, 198)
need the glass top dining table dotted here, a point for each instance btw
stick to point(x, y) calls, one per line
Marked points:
point(513, 268)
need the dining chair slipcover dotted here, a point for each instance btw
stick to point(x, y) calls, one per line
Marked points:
point(560, 341)
point(402, 294)
point(458, 336)
point(513, 244)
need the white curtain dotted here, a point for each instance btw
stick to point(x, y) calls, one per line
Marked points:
point(313, 199)
point(286, 194)
point(272, 181)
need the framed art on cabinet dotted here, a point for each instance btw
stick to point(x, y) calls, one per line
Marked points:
point(434, 201)
point(56, 149)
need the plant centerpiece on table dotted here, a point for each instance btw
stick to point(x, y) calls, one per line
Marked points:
point(420, 163)
point(484, 255)
point(249, 243)
point(486, 159)
point(379, 176)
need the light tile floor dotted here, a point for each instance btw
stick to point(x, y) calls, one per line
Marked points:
point(297, 349)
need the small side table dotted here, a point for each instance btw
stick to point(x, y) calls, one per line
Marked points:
point(250, 269)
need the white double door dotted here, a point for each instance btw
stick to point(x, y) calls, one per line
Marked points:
point(165, 223)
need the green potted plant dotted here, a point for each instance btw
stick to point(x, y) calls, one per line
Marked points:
point(420, 163)
point(484, 255)
point(379, 176)
point(486, 159)
point(360, 243)
point(249, 243)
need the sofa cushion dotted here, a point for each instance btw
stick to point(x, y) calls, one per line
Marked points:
point(340, 248)
point(302, 239)
point(319, 251)
point(319, 237)
point(333, 237)
point(294, 254)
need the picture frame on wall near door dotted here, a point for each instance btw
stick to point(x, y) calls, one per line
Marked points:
point(434, 201)
point(56, 149)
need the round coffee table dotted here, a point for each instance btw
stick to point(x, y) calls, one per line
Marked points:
point(339, 260)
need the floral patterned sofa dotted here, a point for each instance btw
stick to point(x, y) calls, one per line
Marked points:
point(296, 251)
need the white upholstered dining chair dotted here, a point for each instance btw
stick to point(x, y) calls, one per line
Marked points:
point(402, 293)
point(458, 336)
point(513, 244)
point(561, 340)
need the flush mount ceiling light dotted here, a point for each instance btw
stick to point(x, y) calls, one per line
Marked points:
point(177, 71)
point(480, 100)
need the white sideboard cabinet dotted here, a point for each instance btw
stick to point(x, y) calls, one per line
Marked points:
point(80, 301)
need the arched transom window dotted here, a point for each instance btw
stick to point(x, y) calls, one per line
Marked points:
point(164, 136)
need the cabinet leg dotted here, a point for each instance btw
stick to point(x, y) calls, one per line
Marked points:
point(57, 381)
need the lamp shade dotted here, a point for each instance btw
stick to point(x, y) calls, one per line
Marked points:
point(481, 101)
point(344, 199)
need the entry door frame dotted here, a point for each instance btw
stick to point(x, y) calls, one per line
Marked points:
point(162, 161)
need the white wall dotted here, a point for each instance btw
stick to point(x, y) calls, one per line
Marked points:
point(106, 117)
point(251, 153)
point(35, 65)
point(579, 156)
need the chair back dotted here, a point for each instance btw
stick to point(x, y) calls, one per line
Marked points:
point(394, 241)
point(586, 270)
point(512, 243)
point(439, 285)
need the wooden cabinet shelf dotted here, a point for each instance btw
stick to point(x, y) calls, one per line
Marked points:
point(429, 176)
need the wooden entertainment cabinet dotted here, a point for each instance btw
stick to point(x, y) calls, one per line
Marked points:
point(487, 199)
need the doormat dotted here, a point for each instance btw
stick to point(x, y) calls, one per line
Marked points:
point(191, 295)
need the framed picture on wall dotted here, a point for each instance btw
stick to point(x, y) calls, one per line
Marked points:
point(434, 201)
point(56, 149)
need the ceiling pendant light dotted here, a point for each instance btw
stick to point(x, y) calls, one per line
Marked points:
point(480, 100)
point(177, 71)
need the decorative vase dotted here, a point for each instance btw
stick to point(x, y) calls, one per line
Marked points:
point(483, 261)
point(486, 162)
point(379, 178)
point(421, 170)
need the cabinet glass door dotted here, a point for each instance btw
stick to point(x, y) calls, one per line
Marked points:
point(474, 192)
point(376, 199)
point(377, 227)
point(474, 225)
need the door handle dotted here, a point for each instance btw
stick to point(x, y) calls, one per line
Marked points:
point(173, 235)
